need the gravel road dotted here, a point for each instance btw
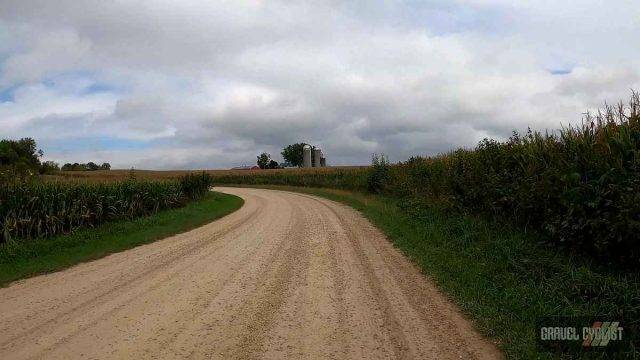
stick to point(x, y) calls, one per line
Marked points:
point(286, 276)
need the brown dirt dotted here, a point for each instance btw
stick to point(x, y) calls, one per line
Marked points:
point(286, 276)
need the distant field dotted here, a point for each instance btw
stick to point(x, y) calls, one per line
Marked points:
point(113, 175)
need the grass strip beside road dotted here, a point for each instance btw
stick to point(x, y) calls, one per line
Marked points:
point(24, 259)
point(500, 277)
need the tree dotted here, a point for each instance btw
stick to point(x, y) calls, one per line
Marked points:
point(8, 156)
point(292, 154)
point(263, 160)
point(91, 166)
point(23, 151)
point(105, 166)
point(20, 157)
point(273, 165)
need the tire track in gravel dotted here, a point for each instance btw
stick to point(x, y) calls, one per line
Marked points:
point(453, 332)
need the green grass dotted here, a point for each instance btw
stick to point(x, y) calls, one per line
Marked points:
point(22, 259)
point(503, 279)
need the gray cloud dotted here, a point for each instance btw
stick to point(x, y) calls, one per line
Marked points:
point(211, 84)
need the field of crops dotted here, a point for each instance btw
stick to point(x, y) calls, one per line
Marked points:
point(46, 208)
point(118, 175)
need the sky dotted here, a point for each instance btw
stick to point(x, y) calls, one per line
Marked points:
point(196, 84)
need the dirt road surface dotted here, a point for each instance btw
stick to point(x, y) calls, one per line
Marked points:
point(286, 276)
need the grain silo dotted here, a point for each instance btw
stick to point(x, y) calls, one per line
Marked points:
point(317, 155)
point(306, 156)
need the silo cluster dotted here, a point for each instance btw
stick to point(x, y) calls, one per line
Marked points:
point(313, 157)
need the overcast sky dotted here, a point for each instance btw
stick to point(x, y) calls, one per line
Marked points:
point(210, 84)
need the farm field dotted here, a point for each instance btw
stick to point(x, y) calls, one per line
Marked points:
point(287, 275)
point(123, 174)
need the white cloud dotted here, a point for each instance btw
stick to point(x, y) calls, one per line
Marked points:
point(33, 103)
point(212, 83)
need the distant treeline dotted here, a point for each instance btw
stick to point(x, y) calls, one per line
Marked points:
point(90, 166)
point(21, 158)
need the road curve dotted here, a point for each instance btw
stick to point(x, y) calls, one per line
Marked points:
point(286, 276)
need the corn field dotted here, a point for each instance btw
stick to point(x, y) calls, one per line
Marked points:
point(40, 209)
point(354, 178)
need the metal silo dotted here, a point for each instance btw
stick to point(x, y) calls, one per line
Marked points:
point(306, 156)
point(317, 155)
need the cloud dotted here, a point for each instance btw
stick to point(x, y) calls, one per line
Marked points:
point(211, 84)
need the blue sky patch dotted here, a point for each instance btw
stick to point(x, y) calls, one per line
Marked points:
point(6, 95)
point(92, 143)
point(99, 88)
point(560, 71)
